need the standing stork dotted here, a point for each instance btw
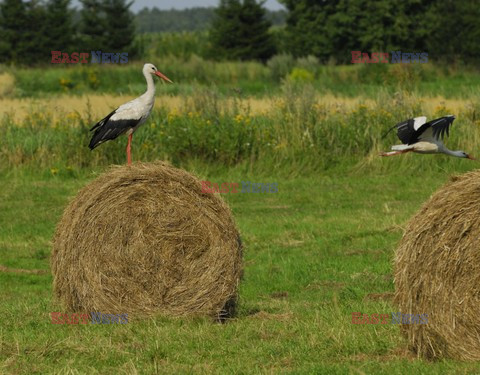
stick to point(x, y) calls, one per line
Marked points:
point(129, 116)
point(424, 137)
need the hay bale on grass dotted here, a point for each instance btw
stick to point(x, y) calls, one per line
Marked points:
point(144, 240)
point(437, 272)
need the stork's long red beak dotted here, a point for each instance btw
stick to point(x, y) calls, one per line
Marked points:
point(163, 76)
point(471, 157)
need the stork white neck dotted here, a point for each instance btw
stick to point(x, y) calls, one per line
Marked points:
point(150, 84)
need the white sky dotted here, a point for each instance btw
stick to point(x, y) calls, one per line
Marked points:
point(182, 4)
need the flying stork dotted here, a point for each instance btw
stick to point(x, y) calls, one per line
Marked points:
point(129, 116)
point(424, 137)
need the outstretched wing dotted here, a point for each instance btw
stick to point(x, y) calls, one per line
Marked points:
point(406, 130)
point(436, 129)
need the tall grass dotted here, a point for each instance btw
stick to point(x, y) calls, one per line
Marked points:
point(117, 79)
point(250, 78)
point(179, 44)
point(298, 133)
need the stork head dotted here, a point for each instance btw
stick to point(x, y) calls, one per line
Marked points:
point(463, 154)
point(151, 69)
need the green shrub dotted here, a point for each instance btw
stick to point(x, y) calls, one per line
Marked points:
point(280, 66)
point(301, 75)
point(309, 63)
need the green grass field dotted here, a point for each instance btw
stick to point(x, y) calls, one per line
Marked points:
point(249, 78)
point(315, 252)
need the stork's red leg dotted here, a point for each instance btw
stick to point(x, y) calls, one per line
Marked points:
point(391, 153)
point(129, 145)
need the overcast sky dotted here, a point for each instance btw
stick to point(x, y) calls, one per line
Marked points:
point(182, 4)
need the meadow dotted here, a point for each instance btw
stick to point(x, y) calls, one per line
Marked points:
point(315, 252)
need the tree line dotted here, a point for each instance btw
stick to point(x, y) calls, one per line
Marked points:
point(153, 20)
point(29, 31)
point(244, 30)
point(446, 29)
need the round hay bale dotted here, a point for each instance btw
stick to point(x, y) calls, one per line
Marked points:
point(437, 272)
point(145, 240)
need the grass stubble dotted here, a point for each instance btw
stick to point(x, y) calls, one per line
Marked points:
point(316, 251)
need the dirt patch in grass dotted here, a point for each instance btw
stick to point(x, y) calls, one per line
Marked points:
point(21, 270)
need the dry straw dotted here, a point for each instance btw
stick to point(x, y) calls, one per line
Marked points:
point(145, 240)
point(437, 272)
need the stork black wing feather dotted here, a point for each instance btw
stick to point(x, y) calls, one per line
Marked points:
point(440, 127)
point(110, 130)
point(406, 131)
point(103, 121)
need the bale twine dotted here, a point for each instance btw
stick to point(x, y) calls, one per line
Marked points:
point(437, 272)
point(145, 240)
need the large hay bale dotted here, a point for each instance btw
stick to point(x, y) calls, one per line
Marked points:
point(143, 240)
point(437, 272)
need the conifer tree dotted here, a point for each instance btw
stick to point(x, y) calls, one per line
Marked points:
point(92, 26)
point(13, 23)
point(119, 23)
point(33, 47)
point(240, 31)
point(60, 28)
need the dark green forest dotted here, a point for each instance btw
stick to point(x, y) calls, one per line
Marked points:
point(152, 20)
point(447, 30)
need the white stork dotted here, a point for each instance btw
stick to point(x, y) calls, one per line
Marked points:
point(424, 137)
point(129, 116)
